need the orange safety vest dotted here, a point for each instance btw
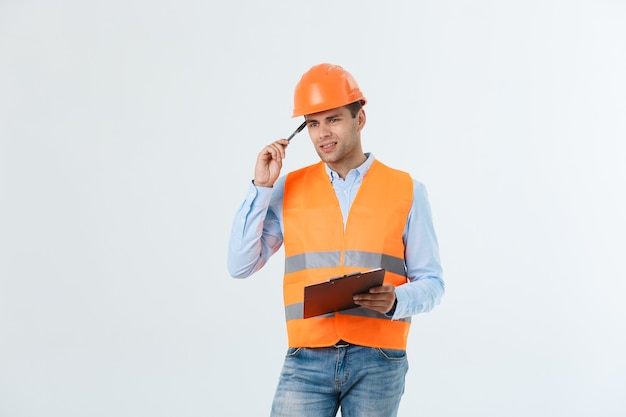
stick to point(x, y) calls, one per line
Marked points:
point(317, 248)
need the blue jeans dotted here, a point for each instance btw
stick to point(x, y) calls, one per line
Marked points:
point(363, 381)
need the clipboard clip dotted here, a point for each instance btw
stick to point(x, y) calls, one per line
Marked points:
point(355, 274)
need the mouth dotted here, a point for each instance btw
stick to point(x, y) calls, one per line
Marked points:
point(328, 146)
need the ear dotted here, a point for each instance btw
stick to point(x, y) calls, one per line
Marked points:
point(361, 119)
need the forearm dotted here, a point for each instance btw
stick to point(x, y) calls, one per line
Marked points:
point(255, 234)
point(418, 296)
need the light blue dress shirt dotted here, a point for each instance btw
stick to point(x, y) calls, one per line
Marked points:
point(257, 233)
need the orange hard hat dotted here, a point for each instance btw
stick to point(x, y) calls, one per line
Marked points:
point(324, 87)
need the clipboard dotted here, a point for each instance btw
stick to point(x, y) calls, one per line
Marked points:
point(336, 293)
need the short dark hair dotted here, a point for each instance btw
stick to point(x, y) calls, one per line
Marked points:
point(354, 108)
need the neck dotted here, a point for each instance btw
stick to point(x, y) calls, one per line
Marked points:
point(345, 167)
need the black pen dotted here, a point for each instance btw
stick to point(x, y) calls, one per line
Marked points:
point(298, 130)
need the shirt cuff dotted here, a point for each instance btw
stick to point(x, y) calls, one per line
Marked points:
point(399, 306)
point(262, 194)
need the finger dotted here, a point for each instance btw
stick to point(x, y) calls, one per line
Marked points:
point(374, 303)
point(276, 151)
point(385, 288)
point(281, 145)
point(273, 152)
point(372, 298)
point(379, 307)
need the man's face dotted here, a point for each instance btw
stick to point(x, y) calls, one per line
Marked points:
point(336, 136)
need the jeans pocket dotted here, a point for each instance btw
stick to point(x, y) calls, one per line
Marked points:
point(392, 354)
point(293, 352)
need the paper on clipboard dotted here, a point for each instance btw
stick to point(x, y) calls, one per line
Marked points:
point(336, 293)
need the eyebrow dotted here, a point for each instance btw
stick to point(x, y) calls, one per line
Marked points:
point(332, 116)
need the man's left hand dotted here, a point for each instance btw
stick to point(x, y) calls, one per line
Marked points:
point(379, 299)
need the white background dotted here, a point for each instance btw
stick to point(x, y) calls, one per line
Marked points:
point(128, 135)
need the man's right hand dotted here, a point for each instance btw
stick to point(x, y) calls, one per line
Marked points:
point(269, 163)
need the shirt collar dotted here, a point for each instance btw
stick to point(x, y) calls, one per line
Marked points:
point(361, 170)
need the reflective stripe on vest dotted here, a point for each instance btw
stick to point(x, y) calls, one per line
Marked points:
point(317, 248)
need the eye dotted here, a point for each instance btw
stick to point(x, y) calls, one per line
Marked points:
point(334, 120)
point(313, 124)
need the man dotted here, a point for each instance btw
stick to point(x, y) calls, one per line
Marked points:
point(347, 213)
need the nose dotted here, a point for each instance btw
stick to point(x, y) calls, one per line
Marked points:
point(324, 131)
